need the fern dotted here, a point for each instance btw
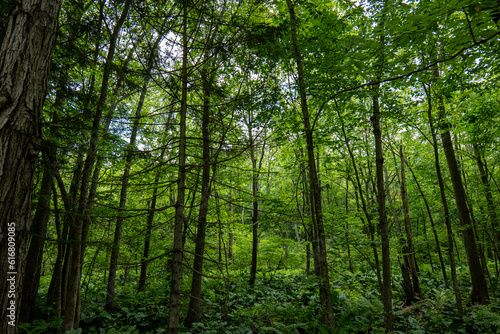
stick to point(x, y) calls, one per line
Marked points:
point(486, 318)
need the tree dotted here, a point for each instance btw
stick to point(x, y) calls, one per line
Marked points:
point(479, 292)
point(316, 205)
point(25, 57)
point(178, 254)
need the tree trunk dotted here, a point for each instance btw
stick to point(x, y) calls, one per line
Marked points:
point(195, 297)
point(456, 288)
point(175, 291)
point(479, 291)
point(35, 253)
point(359, 190)
point(25, 59)
point(255, 207)
point(383, 224)
point(489, 198)
point(147, 237)
point(99, 160)
point(72, 314)
point(433, 226)
point(115, 251)
point(351, 269)
point(55, 287)
point(409, 238)
point(402, 250)
point(324, 290)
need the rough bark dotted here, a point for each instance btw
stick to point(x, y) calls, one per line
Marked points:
point(25, 59)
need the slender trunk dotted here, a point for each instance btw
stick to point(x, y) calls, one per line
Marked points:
point(99, 160)
point(402, 250)
point(308, 226)
point(383, 224)
point(34, 260)
point(456, 288)
point(255, 206)
point(426, 241)
point(409, 238)
point(25, 58)
point(489, 198)
point(72, 314)
point(479, 291)
point(147, 237)
point(433, 226)
point(195, 297)
point(359, 190)
point(324, 290)
point(115, 250)
point(55, 287)
point(347, 223)
point(175, 291)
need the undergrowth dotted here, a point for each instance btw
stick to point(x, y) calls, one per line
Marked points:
point(285, 302)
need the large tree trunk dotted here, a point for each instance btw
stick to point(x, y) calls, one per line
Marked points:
point(327, 316)
point(25, 59)
point(479, 291)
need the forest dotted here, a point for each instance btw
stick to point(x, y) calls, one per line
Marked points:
point(254, 166)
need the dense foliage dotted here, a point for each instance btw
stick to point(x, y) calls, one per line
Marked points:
point(176, 180)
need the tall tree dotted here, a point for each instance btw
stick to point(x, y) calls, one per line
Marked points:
point(316, 202)
point(110, 300)
point(479, 292)
point(379, 172)
point(72, 303)
point(444, 201)
point(178, 254)
point(25, 59)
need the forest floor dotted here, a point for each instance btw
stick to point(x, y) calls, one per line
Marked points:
point(281, 302)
